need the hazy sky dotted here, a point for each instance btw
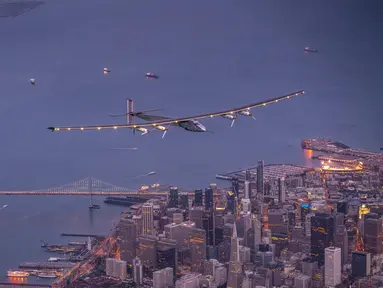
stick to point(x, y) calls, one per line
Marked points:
point(210, 55)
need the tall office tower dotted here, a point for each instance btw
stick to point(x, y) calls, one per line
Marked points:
point(235, 267)
point(147, 251)
point(196, 216)
point(147, 212)
point(342, 207)
point(277, 222)
point(246, 205)
point(138, 273)
point(173, 197)
point(257, 227)
point(332, 270)
point(373, 233)
point(208, 226)
point(230, 196)
point(247, 189)
point(197, 249)
point(260, 183)
point(304, 210)
point(248, 175)
point(235, 186)
point(139, 226)
point(127, 235)
point(208, 198)
point(307, 226)
point(184, 197)
point(322, 232)
point(163, 278)
point(281, 190)
point(341, 241)
point(198, 197)
point(166, 257)
point(360, 264)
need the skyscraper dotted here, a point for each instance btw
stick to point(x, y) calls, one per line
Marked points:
point(373, 233)
point(208, 198)
point(137, 271)
point(173, 197)
point(360, 264)
point(332, 272)
point(322, 232)
point(127, 236)
point(247, 189)
point(260, 183)
point(198, 197)
point(235, 186)
point(235, 267)
point(281, 190)
point(197, 242)
point(166, 257)
point(147, 211)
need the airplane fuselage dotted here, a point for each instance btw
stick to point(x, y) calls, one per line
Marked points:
point(192, 126)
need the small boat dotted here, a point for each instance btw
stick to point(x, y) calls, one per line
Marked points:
point(17, 274)
point(46, 275)
point(53, 259)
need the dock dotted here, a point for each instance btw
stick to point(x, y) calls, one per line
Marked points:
point(82, 235)
point(46, 265)
point(23, 285)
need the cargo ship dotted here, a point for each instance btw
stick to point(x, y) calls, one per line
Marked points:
point(17, 274)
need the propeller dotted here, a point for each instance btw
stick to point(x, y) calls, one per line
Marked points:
point(167, 128)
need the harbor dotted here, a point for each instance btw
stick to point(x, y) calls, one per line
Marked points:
point(55, 267)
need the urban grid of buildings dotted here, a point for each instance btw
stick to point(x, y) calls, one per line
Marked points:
point(294, 227)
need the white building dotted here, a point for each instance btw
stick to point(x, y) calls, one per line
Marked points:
point(163, 278)
point(116, 268)
point(333, 265)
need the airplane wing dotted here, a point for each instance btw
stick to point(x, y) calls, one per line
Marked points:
point(179, 120)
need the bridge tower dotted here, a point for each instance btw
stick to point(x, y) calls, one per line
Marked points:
point(90, 191)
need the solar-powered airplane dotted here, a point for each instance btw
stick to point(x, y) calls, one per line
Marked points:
point(162, 123)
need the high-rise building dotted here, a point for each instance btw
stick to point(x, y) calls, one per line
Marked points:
point(184, 199)
point(235, 186)
point(147, 212)
point(173, 197)
point(198, 194)
point(116, 268)
point(147, 251)
point(127, 237)
point(196, 215)
point(235, 267)
point(208, 198)
point(197, 242)
point(281, 190)
point(360, 264)
point(208, 226)
point(333, 270)
point(260, 179)
point(322, 232)
point(247, 189)
point(166, 257)
point(230, 196)
point(373, 233)
point(341, 241)
point(163, 278)
point(248, 175)
point(138, 273)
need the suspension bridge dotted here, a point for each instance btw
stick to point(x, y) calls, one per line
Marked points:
point(90, 186)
